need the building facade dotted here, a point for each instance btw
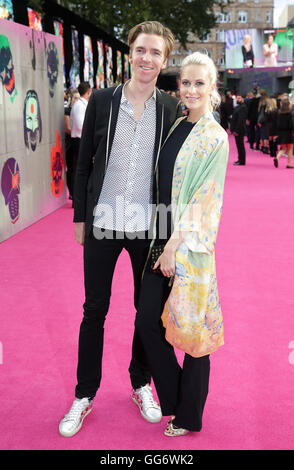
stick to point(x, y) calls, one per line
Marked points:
point(238, 14)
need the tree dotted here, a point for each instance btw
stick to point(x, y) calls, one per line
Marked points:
point(117, 17)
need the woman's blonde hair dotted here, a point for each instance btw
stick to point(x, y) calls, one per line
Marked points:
point(271, 105)
point(153, 27)
point(199, 58)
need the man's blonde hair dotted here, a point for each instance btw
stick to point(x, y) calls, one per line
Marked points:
point(153, 27)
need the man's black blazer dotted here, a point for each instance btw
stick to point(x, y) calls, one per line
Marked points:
point(96, 141)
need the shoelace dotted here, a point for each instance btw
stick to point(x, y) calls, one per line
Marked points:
point(75, 411)
point(145, 393)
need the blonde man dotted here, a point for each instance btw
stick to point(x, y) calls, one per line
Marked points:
point(123, 131)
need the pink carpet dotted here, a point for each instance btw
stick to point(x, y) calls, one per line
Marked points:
point(251, 399)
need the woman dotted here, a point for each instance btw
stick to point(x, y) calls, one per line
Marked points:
point(270, 52)
point(247, 51)
point(285, 128)
point(271, 114)
point(190, 179)
point(261, 121)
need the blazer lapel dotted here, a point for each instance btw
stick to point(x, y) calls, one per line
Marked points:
point(113, 114)
point(159, 127)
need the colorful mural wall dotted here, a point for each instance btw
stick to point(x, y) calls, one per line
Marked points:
point(31, 126)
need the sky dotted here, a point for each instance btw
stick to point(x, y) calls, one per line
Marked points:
point(279, 7)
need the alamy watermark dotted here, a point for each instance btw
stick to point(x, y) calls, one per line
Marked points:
point(126, 219)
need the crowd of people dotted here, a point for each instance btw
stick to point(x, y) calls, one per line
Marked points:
point(267, 121)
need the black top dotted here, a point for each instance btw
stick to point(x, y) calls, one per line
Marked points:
point(166, 164)
point(271, 121)
point(285, 128)
point(248, 55)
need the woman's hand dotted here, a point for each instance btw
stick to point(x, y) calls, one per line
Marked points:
point(167, 260)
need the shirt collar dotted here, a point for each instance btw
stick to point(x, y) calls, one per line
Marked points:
point(125, 100)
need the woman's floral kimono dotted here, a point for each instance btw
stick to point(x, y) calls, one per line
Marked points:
point(192, 314)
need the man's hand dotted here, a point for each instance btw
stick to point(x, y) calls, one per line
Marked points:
point(80, 232)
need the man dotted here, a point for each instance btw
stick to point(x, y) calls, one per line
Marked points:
point(77, 116)
point(122, 135)
point(238, 128)
point(252, 115)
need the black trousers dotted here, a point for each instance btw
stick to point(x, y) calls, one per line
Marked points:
point(100, 257)
point(241, 148)
point(251, 133)
point(182, 391)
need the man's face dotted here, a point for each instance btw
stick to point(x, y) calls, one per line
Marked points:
point(147, 57)
point(239, 99)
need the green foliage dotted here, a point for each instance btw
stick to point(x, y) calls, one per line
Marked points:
point(118, 16)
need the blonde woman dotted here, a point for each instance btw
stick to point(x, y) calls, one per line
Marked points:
point(186, 313)
point(285, 129)
point(271, 114)
point(247, 51)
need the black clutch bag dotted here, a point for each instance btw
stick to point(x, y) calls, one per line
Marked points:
point(156, 251)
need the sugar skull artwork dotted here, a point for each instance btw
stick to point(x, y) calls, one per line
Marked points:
point(32, 121)
point(57, 166)
point(52, 66)
point(7, 68)
point(10, 180)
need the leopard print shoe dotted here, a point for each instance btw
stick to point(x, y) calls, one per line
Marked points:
point(173, 431)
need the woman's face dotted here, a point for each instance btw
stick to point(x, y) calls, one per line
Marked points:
point(270, 40)
point(196, 88)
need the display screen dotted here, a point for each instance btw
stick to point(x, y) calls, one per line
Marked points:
point(100, 70)
point(88, 61)
point(74, 74)
point(34, 20)
point(6, 10)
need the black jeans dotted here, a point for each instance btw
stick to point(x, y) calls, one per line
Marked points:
point(100, 257)
point(181, 391)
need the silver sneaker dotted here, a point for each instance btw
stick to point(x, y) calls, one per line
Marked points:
point(149, 408)
point(73, 420)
